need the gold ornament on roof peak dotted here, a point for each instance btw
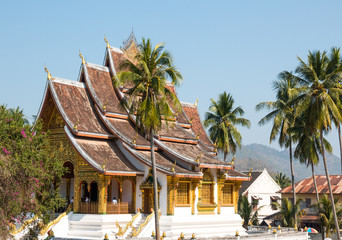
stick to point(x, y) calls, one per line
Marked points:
point(196, 102)
point(49, 77)
point(105, 39)
point(250, 172)
point(81, 56)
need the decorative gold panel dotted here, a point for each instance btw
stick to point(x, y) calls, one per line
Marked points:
point(183, 193)
point(227, 194)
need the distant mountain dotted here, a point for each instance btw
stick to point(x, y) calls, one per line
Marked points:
point(259, 156)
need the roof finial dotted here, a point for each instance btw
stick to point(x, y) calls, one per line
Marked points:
point(81, 56)
point(196, 102)
point(173, 167)
point(108, 46)
point(48, 73)
point(250, 172)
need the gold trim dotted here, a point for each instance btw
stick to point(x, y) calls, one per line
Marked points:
point(49, 225)
point(135, 232)
point(23, 226)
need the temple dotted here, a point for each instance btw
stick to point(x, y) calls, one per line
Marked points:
point(108, 159)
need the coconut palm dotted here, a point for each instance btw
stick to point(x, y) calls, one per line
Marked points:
point(308, 148)
point(282, 114)
point(319, 101)
point(288, 212)
point(149, 97)
point(222, 119)
point(282, 180)
point(324, 208)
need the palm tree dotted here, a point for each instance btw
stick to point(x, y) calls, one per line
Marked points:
point(247, 212)
point(288, 212)
point(282, 180)
point(321, 88)
point(283, 115)
point(149, 98)
point(222, 119)
point(308, 148)
point(324, 208)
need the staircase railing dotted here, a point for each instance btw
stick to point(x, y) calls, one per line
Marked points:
point(122, 231)
point(137, 231)
point(23, 226)
point(48, 226)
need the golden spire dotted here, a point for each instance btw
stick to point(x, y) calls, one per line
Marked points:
point(108, 46)
point(198, 158)
point(81, 56)
point(232, 162)
point(250, 172)
point(173, 167)
point(49, 77)
point(196, 102)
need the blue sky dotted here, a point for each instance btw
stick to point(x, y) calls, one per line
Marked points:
point(234, 46)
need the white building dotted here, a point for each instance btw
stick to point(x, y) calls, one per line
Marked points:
point(262, 190)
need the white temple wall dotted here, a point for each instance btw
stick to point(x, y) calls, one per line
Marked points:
point(196, 201)
point(182, 211)
point(162, 179)
point(138, 195)
point(127, 191)
point(214, 172)
point(115, 190)
point(227, 211)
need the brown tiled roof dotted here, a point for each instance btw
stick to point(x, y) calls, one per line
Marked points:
point(76, 108)
point(191, 152)
point(196, 125)
point(118, 59)
point(181, 118)
point(99, 152)
point(235, 174)
point(307, 186)
point(245, 185)
point(168, 164)
point(126, 128)
point(101, 82)
point(174, 130)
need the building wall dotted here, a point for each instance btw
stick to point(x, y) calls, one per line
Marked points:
point(264, 187)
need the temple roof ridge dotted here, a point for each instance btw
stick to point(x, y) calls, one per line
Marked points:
point(69, 82)
point(188, 104)
point(98, 67)
point(130, 40)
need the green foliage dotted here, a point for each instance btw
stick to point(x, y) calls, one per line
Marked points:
point(324, 208)
point(28, 167)
point(288, 211)
point(282, 180)
point(247, 212)
point(222, 119)
point(150, 99)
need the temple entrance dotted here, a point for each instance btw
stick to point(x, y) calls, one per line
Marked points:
point(66, 189)
point(93, 192)
point(148, 200)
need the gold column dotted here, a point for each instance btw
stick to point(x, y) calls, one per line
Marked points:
point(77, 195)
point(102, 187)
point(68, 188)
point(143, 201)
point(194, 185)
point(220, 185)
point(236, 188)
point(171, 194)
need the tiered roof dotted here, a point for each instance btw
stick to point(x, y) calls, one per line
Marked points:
point(103, 132)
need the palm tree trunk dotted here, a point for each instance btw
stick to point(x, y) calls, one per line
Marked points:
point(292, 179)
point(329, 185)
point(155, 187)
point(314, 180)
point(340, 140)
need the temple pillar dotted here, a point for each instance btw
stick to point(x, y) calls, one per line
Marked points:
point(68, 181)
point(171, 194)
point(220, 185)
point(77, 194)
point(194, 185)
point(236, 188)
point(102, 186)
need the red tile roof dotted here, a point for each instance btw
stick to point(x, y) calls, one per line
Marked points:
point(307, 185)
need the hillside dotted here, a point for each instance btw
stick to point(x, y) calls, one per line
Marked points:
point(258, 157)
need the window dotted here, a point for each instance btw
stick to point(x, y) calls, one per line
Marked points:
point(308, 202)
point(207, 193)
point(227, 194)
point(183, 193)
